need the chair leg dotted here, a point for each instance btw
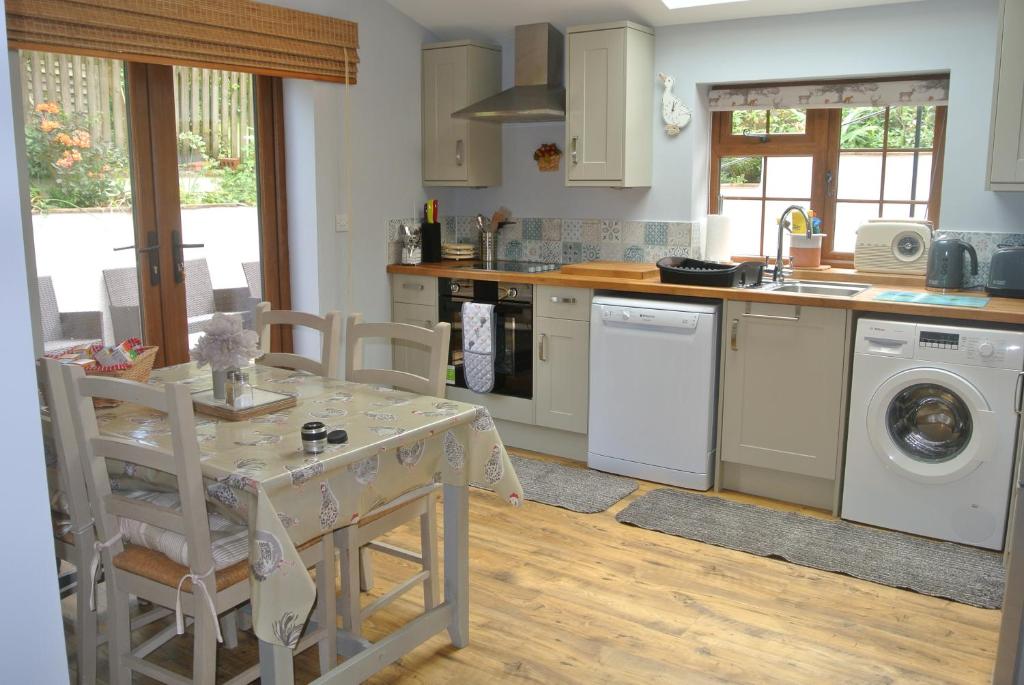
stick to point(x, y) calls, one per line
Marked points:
point(119, 635)
point(229, 629)
point(327, 606)
point(365, 569)
point(348, 600)
point(204, 647)
point(428, 550)
point(86, 635)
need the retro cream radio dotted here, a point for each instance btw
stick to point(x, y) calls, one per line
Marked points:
point(893, 247)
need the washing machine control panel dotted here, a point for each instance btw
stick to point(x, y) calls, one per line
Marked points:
point(998, 349)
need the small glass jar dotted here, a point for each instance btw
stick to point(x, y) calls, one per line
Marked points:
point(314, 437)
point(237, 390)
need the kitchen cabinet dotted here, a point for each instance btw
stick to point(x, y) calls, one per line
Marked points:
point(457, 152)
point(1006, 149)
point(609, 105)
point(783, 388)
point(413, 301)
point(561, 373)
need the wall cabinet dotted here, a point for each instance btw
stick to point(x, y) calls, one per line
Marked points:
point(457, 152)
point(562, 373)
point(413, 301)
point(783, 387)
point(1006, 153)
point(609, 105)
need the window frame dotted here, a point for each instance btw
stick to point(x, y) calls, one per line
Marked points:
point(821, 141)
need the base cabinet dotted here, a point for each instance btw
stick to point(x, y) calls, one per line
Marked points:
point(782, 388)
point(561, 373)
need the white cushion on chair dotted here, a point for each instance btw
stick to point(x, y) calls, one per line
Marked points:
point(229, 541)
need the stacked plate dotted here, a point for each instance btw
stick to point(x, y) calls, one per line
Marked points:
point(458, 251)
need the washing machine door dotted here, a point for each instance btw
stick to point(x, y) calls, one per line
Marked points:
point(930, 425)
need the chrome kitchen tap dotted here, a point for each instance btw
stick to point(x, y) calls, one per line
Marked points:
point(777, 275)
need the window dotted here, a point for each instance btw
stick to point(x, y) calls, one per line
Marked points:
point(849, 164)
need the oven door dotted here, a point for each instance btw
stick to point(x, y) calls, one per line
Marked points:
point(513, 359)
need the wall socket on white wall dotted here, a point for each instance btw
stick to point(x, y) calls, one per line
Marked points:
point(340, 223)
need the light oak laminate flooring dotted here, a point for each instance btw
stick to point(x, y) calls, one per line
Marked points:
point(561, 597)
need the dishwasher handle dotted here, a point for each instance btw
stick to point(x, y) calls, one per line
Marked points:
point(734, 331)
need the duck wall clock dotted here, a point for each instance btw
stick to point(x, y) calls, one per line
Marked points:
point(673, 111)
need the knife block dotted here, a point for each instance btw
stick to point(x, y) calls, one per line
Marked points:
point(431, 234)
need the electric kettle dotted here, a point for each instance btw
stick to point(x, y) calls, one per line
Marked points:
point(946, 264)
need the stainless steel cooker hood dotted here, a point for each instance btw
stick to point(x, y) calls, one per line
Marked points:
point(538, 94)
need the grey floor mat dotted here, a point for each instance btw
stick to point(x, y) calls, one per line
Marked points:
point(942, 569)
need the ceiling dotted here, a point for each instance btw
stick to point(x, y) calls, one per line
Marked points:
point(455, 19)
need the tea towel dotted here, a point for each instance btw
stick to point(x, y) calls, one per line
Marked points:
point(478, 333)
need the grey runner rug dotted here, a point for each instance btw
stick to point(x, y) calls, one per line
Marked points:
point(942, 569)
point(576, 489)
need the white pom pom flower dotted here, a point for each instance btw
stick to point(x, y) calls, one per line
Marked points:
point(225, 344)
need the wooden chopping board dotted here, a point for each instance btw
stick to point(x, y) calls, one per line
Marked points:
point(601, 269)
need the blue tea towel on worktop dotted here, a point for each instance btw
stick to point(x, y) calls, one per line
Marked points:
point(479, 330)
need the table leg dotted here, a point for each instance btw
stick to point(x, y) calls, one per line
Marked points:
point(276, 665)
point(456, 561)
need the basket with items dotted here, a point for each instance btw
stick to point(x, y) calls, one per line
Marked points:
point(547, 157)
point(130, 360)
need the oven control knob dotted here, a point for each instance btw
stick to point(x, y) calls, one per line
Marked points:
point(512, 293)
point(454, 287)
point(986, 350)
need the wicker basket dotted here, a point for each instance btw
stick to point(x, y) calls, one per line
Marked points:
point(549, 163)
point(138, 372)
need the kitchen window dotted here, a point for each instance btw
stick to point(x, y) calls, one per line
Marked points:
point(850, 160)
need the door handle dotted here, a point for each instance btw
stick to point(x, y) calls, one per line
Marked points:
point(562, 300)
point(412, 286)
point(542, 347)
point(458, 152)
point(1018, 401)
point(734, 331)
point(179, 255)
point(152, 252)
point(775, 317)
point(574, 144)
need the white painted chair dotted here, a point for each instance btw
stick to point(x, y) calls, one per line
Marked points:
point(153, 576)
point(74, 533)
point(355, 542)
point(328, 325)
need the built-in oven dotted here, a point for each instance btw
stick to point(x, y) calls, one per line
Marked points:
point(513, 307)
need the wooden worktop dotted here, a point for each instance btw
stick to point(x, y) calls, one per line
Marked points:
point(998, 310)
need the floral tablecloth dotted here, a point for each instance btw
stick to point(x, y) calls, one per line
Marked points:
point(257, 472)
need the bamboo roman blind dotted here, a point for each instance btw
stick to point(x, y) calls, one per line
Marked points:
point(235, 35)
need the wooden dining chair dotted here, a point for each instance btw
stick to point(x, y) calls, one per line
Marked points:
point(208, 582)
point(355, 542)
point(328, 325)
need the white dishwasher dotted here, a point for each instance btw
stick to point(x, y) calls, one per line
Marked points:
point(653, 373)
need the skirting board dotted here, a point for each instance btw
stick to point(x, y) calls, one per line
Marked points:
point(544, 440)
point(787, 487)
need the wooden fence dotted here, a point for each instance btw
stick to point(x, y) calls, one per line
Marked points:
point(216, 106)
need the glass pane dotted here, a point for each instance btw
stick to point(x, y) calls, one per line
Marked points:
point(787, 121)
point(911, 127)
point(860, 175)
point(849, 217)
point(741, 176)
point(772, 211)
point(902, 211)
point(750, 121)
point(905, 171)
point(788, 176)
point(862, 127)
point(745, 219)
point(76, 139)
point(929, 423)
point(217, 181)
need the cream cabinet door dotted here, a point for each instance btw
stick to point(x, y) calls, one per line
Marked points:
point(1006, 164)
point(595, 105)
point(407, 356)
point(561, 373)
point(782, 387)
point(445, 90)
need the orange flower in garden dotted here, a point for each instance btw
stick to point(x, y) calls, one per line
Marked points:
point(64, 139)
point(65, 162)
point(47, 125)
point(76, 155)
point(81, 139)
point(50, 107)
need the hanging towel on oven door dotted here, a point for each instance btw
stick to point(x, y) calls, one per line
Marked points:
point(479, 333)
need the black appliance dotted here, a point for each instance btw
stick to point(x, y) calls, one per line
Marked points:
point(1006, 272)
point(513, 360)
point(946, 263)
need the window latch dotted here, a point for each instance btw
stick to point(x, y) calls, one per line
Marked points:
point(761, 137)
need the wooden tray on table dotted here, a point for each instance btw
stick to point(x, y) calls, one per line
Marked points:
point(264, 402)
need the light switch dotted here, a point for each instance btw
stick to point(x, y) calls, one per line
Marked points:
point(341, 223)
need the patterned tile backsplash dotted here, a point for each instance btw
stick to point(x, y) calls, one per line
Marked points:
point(567, 241)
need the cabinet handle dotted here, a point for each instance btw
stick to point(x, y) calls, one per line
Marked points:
point(734, 331)
point(1018, 401)
point(572, 148)
point(775, 317)
point(458, 152)
point(563, 300)
point(413, 286)
point(542, 353)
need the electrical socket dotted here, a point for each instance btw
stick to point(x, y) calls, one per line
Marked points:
point(341, 223)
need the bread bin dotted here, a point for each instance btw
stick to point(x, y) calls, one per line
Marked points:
point(1006, 272)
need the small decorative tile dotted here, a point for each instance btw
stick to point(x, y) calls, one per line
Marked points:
point(633, 232)
point(465, 229)
point(611, 251)
point(514, 250)
point(512, 231)
point(393, 225)
point(634, 253)
point(551, 229)
point(531, 248)
point(571, 252)
point(572, 230)
point(611, 231)
point(532, 229)
point(653, 253)
point(551, 251)
point(655, 233)
point(679, 233)
point(698, 240)
point(591, 252)
point(591, 232)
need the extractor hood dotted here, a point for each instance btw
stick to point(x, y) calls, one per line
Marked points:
point(538, 94)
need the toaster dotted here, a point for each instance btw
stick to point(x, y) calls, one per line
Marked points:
point(892, 247)
point(1006, 272)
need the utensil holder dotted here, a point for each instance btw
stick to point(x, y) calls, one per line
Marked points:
point(488, 246)
point(431, 234)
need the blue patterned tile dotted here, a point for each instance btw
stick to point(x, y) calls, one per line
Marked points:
point(591, 232)
point(571, 252)
point(513, 231)
point(514, 250)
point(449, 234)
point(656, 233)
point(634, 253)
point(591, 252)
point(633, 232)
point(611, 231)
point(532, 229)
point(551, 229)
point(611, 251)
point(465, 229)
point(531, 250)
point(679, 233)
point(572, 230)
point(551, 251)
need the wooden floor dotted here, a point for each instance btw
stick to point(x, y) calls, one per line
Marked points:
point(560, 597)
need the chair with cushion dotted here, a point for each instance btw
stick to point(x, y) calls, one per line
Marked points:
point(355, 542)
point(328, 325)
point(63, 330)
point(187, 555)
point(254, 278)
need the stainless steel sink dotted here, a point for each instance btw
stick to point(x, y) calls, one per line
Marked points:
point(819, 288)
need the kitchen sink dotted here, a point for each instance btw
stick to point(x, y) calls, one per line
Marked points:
point(819, 288)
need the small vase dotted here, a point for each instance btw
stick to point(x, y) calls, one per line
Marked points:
point(220, 377)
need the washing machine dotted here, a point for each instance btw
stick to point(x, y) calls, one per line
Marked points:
point(933, 421)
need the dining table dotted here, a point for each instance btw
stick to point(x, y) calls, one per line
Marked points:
point(257, 472)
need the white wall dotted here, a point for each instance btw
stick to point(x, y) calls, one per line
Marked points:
point(32, 633)
point(936, 35)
